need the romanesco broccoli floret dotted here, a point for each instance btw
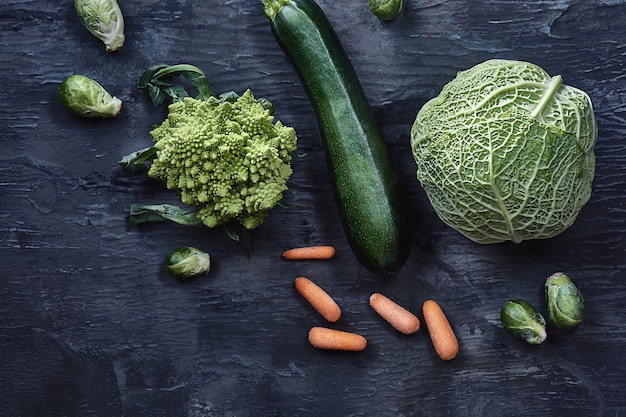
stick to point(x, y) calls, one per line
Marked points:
point(228, 159)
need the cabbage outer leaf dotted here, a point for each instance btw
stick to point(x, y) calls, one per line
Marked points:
point(505, 152)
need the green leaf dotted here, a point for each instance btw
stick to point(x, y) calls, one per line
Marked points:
point(161, 212)
point(193, 74)
point(135, 163)
point(267, 105)
point(240, 235)
point(282, 204)
point(157, 82)
point(231, 97)
point(148, 74)
point(176, 92)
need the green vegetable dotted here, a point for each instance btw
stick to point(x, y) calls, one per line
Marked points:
point(85, 97)
point(225, 156)
point(146, 213)
point(137, 162)
point(187, 262)
point(505, 152)
point(104, 19)
point(367, 192)
point(157, 82)
point(565, 302)
point(385, 9)
point(524, 321)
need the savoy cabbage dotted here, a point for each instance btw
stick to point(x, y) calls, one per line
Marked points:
point(505, 152)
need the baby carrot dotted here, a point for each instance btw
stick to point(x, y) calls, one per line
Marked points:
point(318, 298)
point(400, 318)
point(441, 333)
point(310, 252)
point(324, 338)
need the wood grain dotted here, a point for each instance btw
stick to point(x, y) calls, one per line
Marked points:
point(91, 324)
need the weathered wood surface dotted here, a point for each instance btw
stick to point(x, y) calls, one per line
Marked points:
point(92, 325)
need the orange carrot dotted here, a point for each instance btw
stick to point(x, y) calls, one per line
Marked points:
point(441, 333)
point(310, 252)
point(324, 338)
point(400, 318)
point(318, 298)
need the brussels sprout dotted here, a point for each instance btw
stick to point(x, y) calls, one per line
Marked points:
point(524, 321)
point(565, 302)
point(104, 19)
point(187, 262)
point(385, 9)
point(85, 97)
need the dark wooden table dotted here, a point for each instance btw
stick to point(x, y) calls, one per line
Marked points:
point(92, 325)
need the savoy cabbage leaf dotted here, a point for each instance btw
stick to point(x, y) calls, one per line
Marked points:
point(505, 152)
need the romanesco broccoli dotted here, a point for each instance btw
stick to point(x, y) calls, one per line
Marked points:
point(226, 158)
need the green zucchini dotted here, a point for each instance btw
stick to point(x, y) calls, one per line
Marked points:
point(371, 206)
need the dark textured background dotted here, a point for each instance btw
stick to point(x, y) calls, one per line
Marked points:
point(92, 325)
